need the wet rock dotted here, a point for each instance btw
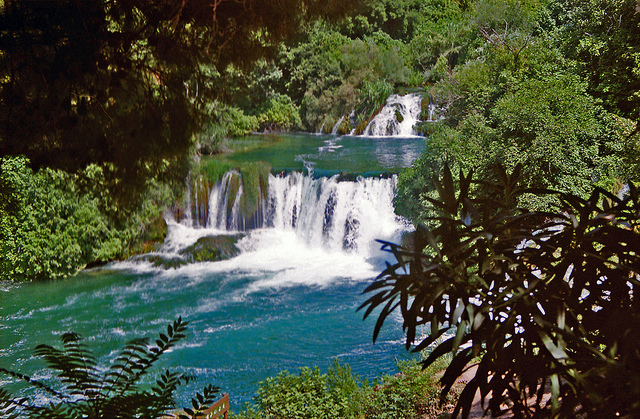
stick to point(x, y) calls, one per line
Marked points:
point(212, 249)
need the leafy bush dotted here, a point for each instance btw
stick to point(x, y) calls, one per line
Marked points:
point(413, 392)
point(279, 114)
point(55, 224)
point(87, 390)
point(309, 394)
point(51, 231)
point(540, 298)
point(225, 121)
point(339, 394)
point(373, 96)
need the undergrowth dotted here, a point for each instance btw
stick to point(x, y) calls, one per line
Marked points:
point(411, 393)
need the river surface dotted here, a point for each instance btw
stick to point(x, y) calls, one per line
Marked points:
point(328, 155)
point(288, 300)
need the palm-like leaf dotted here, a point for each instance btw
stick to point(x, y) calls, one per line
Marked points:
point(87, 393)
point(541, 298)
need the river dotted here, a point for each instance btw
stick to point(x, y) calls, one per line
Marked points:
point(288, 300)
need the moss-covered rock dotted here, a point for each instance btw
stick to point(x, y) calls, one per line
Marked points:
point(234, 188)
point(399, 116)
point(345, 127)
point(206, 249)
point(212, 249)
point(166, 262)
point(255, 182)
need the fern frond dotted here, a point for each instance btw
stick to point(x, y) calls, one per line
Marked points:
point(10, 408)
point(201, 402)
point(121, 374)
point(33, 382)
point(75, 365)
point(149, 356)
point(114, 394)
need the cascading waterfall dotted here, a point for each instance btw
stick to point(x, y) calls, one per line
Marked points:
point(397, 118)
point(325, 212)
point(434, 113)
point(334, 130)
point(345, 216)
point(286, 299)
point(224, 203)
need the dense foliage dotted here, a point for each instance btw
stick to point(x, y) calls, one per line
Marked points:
point(126, 84)
point(539, 286)
point(348, 69)
point(53, 224)
point(413, 392)
point(516, 92)
point(88, 390)
point(542, 301)
point(103, 103)
point(604, 38)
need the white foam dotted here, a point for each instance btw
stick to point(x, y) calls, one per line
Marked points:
point(386, 123)
point(318, 232)
point(180, 236)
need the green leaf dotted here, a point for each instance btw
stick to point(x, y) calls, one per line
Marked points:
point(555, 351)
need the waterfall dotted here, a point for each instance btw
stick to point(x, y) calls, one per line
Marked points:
point(397, 118)
point(335, 215)
point(227, 206)
point(434, 113)
point(431, 109)
point(334, 130)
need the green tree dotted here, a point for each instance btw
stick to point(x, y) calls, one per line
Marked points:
point(398, 19)
point(279, 113)
point(126, 84)
point(54, 224)
point(604, 36)
point(444, 31)
point(519, 100)
point(533, 298)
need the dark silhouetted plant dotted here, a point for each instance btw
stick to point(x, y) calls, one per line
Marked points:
point(89, 391)
point(542, 302)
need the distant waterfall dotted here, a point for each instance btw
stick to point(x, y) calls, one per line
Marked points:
point(337, 215)
point(397, 118)
point(334, 130)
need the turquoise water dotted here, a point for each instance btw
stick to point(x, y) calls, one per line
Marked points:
point(239, 333)
point(327, 155)
point(288, 300)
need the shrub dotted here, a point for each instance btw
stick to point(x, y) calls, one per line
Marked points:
point(309, 394)
point(226, 121)
point(542, 298)
point(279, 114)
point(412, 392)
